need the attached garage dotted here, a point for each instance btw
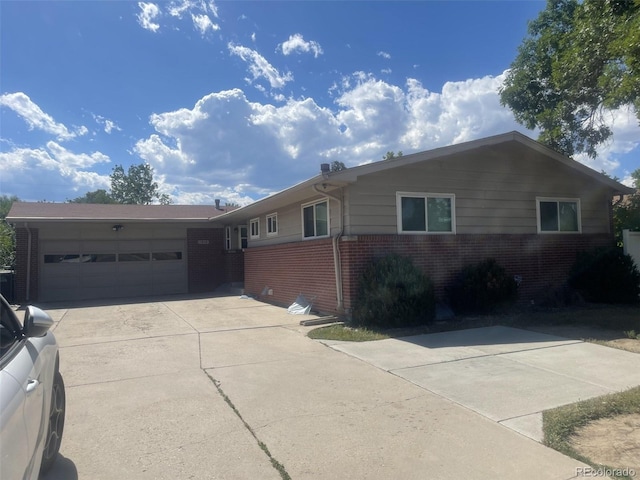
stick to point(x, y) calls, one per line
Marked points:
point(78, 270)
point(84, 251)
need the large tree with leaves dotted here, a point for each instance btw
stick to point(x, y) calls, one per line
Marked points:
point(580, 59)
point(7, 233)
point(136, 186)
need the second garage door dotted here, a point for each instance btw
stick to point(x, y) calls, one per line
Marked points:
point(78, 270)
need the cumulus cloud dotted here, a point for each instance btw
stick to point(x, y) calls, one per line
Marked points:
point(52, 170)
point(149, 12)
point(228, 145)
point(31, 113)
point(385, 55)
point(297, 44)
point(259, 67)
point(626, 137)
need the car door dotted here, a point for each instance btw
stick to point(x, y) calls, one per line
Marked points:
point(22, 396)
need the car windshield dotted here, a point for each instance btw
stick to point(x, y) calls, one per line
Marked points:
point(9, 327)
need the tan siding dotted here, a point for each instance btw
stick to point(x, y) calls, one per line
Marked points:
point(290, 224)
point(494, 193)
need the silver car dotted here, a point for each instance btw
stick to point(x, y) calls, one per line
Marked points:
point(32, 397)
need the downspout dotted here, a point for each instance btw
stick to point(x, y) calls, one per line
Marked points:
point(337, 264)
point(26, 225)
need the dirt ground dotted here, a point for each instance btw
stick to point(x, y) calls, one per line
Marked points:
point(614, 442)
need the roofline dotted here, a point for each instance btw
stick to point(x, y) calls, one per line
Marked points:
point(102, 220)
point(350, 175)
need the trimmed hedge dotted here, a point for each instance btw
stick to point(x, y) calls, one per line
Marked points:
point(481, 288)
point(394, 293)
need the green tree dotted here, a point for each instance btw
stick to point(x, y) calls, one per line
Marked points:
point(337, 166)
point(391, 154)
point(97, 196)
point(579, 59)
point(7, 233)
point(136, 186)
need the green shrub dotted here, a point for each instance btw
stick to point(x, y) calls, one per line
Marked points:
point(606, 275)
point(394, 293)
point(481, 288)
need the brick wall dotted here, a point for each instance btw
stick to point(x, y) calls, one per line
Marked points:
point(293, 268)
point(206, 261)
point(542, 261)
point(22, 242)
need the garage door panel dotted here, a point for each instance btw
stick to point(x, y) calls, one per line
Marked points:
point(134, 246)
point(108, 268)
point(99, 246)
point(61, 246)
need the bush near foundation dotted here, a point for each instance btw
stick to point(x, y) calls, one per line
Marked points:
point(606, 275)
point(481, 288)
point(394, 293)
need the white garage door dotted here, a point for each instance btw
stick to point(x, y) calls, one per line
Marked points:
point(78, 270)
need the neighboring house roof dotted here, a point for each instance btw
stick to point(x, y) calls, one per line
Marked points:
point(89, 212)
point(333, 180)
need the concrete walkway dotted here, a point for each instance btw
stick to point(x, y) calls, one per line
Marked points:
point(505, 374)
point(206, 388)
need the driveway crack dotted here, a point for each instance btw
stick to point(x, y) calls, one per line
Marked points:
point(275, 463)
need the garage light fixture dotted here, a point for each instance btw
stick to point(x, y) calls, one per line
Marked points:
point(117, 228)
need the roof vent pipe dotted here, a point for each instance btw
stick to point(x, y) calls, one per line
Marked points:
point(217, 203)
point(325, 168)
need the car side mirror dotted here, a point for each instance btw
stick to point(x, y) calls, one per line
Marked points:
point(36, 322)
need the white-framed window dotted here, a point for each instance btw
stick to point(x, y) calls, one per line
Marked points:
point(426, 212)
point(315, 219)
point(558, 215)
point(272, 224)
point(254, 228)
point(242, 236)
point(227, 238)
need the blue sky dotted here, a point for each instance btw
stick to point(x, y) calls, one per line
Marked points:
point(239, 99)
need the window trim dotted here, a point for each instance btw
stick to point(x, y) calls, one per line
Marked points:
point(227, 238)
point(315, 226)
point(240, 237)
point(256, 222)
point(558, 200)
point(270, 231)
point(425, 196)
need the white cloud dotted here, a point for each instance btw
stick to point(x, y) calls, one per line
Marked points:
point(108, 125)
point(225, 140)
point(199, 11)
point(203, 23)
point(53, 170)
point(31, 113)
point(625, 138)
point(149, 12)
point(297, 44)
point(385, 55)
point(260, 67)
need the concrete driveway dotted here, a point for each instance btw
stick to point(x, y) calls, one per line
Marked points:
point(508, 375)
point(207, 388)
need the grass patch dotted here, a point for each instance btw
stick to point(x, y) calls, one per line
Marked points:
point(348, 334)
point(560, 424)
